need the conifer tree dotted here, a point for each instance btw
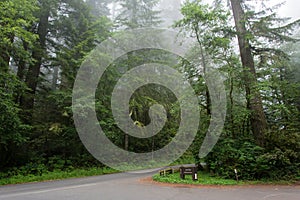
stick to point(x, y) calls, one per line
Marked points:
point(253, 30)
point(138, 14)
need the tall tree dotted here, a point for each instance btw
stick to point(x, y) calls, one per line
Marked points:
point(138, 14)
point(208, 25)
point(73, 33)
point(15, 29)
point(16, 18)
point(254, 102)
point(78, 33)
point(38, 54)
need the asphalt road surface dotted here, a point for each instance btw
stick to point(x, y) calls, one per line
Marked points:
point(130, 187)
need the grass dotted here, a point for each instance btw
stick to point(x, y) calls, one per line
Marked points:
point(56, 175)
point(75, 173)
point(207, 179)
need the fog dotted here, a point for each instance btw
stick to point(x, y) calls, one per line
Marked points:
point(290, 9)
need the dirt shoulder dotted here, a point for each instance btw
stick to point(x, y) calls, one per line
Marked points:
point(150, 181)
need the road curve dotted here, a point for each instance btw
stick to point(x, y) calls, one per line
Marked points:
point(126, 186)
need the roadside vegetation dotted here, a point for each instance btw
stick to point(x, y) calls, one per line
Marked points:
point(17, 177)
point(38, 173)
point(207, 179)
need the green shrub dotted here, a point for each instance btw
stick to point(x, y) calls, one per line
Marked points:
point(278, 160)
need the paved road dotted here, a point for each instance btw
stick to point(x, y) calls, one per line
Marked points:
point(129, 187)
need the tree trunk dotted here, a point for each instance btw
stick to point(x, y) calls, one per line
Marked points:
point(31, 80)
point(22, 65)
point(204, 65)
point(5, 55)
point(6, 58)
point(55, 78)
point(231, 108)
point(254, 102)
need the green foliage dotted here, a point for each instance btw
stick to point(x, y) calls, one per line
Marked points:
point(21, 175)
point(140, 102)
point(203, 179)
point(16, 17)
point(230, 154)
point(209, 25)
point(279, 160)
point(12, 130)
point(80, 32)
point(52, 142)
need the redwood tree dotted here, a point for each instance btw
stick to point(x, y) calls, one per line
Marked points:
point(254, 102)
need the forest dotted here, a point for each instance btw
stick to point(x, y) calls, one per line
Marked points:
point(43, 43)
